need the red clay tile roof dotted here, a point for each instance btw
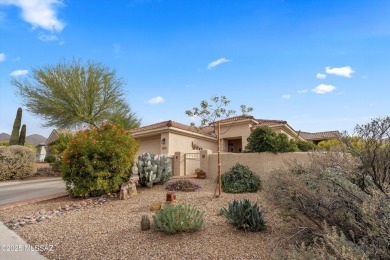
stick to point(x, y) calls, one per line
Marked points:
point(233, 119)
point(203, 131)
point(319, 135)
point(266, 122)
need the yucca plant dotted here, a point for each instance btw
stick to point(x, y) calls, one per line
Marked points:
point(244, 215)
point(178, 218)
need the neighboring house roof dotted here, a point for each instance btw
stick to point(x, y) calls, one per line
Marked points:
point(319, 135)
point(55, 134)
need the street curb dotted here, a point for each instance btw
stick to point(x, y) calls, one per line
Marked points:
point(31, 201)
point(13, 247)
point(9, 183)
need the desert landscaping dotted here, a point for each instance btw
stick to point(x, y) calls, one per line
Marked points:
point(111, 230)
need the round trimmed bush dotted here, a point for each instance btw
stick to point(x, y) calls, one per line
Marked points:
point(240, 179)
point(98, 160)
point(16, 162)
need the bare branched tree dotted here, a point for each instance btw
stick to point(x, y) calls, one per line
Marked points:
point(210, 114)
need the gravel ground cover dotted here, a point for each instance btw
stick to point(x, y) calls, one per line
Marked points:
point(112, 230)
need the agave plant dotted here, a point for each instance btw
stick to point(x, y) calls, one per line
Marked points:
point(244, 215)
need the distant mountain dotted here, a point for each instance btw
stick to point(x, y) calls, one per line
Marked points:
point(34, 139)
point(4, 137)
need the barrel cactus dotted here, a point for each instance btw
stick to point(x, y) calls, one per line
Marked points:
point(145, 222)
point(152, 169)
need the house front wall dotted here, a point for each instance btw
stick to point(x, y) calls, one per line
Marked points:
point(188, 144)
point(235, 132)
point(151, 144)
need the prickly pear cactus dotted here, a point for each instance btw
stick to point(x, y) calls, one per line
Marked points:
point(152, 169)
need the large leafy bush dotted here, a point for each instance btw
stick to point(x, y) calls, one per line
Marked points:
point(264, 139)
point(98, 160)
point(16, 162)
point(244, 215)
point(178, 218)
point(240, 179)
point(304, 146)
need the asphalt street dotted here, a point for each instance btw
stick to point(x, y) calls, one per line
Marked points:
point(16, 191)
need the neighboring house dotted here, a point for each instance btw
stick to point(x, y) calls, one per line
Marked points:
point(53, 138)
point(315, 138)
point(41, 152)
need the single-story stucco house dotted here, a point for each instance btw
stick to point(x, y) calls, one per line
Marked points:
point(174, 139)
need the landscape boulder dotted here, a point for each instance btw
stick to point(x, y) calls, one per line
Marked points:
point(128, 190)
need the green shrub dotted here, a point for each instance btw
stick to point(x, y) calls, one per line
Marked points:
point(304, 146)
point(152, 169)
point(4, 143)
point(244, 215)
point(98, 160)
point(240, 179)
point(50, 159)
point(16, 162)
point(182, 185)
point(264, 139)
point(178, 218)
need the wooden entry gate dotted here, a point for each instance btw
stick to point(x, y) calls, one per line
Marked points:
point(191, 162)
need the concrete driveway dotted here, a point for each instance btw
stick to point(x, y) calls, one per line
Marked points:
point(19, 191)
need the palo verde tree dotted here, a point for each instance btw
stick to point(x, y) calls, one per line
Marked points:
point(71, 94)
point(211, 113)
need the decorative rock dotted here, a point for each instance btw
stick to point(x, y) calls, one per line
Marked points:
point(156, 206)
point(128, 190)
point(171, 196)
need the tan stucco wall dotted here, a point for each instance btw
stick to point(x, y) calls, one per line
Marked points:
point(181, 143)
point(261, 163)
point(149, 145)
point(236, 130)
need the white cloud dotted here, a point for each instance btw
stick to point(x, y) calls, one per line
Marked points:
point(320, 76)
point(17, 73)
point(287, 96)
point(322, 89)
point(343, 71)
point(156, 100)
point(2, 56)
point(47, 37)
point(303, 90)
point(217, 62)
point(39, 13)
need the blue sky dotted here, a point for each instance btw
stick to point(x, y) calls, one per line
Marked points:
point(320, 65)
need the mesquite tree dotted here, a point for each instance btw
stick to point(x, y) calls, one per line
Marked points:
point(69, 95)
point(210, 113)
